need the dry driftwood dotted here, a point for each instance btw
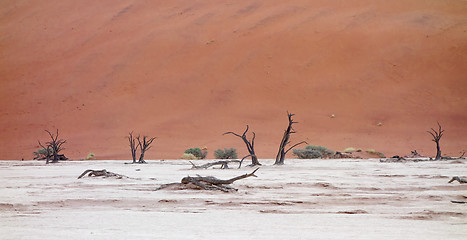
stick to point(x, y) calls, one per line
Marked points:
point(224, 164)
point(456, 178)
point(210, 182)
point(101, 173)
point(454, 158)
point(414, 154)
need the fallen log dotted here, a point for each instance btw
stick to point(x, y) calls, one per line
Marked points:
point(224, 164)
point(60, 157)
point(101, 173)
point(210, 182)
point(456, 178)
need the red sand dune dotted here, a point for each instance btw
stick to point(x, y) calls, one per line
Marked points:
point(187, 71)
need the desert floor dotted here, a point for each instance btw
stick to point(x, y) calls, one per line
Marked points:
point(304, 199)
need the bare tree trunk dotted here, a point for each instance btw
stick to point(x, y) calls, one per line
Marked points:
point(438, 151)
point(144, 145)
point(250, 145)
point(280, 157)
point(133, 146)
point(436, 137)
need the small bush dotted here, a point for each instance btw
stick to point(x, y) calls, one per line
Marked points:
point(41, 153)
point(350, 149)
point(374, 152)
point(325, 152)
point(90, 156)
point(197, 152)
point(307, 153)
point(227, 153)
point(204, 152)
point(189, 156)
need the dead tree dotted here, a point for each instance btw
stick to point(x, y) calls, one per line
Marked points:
point(144, 145)
point(133, 146)
point(436, 137)
point(210, 182)
point(53, 148)
point(280, 157)
point(250, 145)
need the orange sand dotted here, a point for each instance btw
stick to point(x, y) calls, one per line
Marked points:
point(187, 71)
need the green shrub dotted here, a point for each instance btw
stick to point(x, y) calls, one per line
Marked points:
point(90, 156)
point(307, 153)
point(197, 152)
point(227, 153)
point(350, 149)
point(204, 152)
point(374, 152)
point(325, 152)
point(41, 153)
point(189, 156)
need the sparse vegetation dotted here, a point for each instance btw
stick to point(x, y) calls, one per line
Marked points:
point(374, 152)
point(314, 151)
point(226, 153)
point(325, 152)
point(350, 149)
point(90, 156)
point(41, 153)
point(188, 156)
point(307, 153)
point(197, 152)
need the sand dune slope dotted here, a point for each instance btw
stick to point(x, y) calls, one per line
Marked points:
point(187, 71)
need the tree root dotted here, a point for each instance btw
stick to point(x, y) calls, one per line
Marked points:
point(210, 182)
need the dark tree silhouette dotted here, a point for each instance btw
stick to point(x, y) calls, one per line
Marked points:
point(53, 148)
point(280, 157)
point(144, 145)
point(133, 146)
point(436, 137)
point(250, 145)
